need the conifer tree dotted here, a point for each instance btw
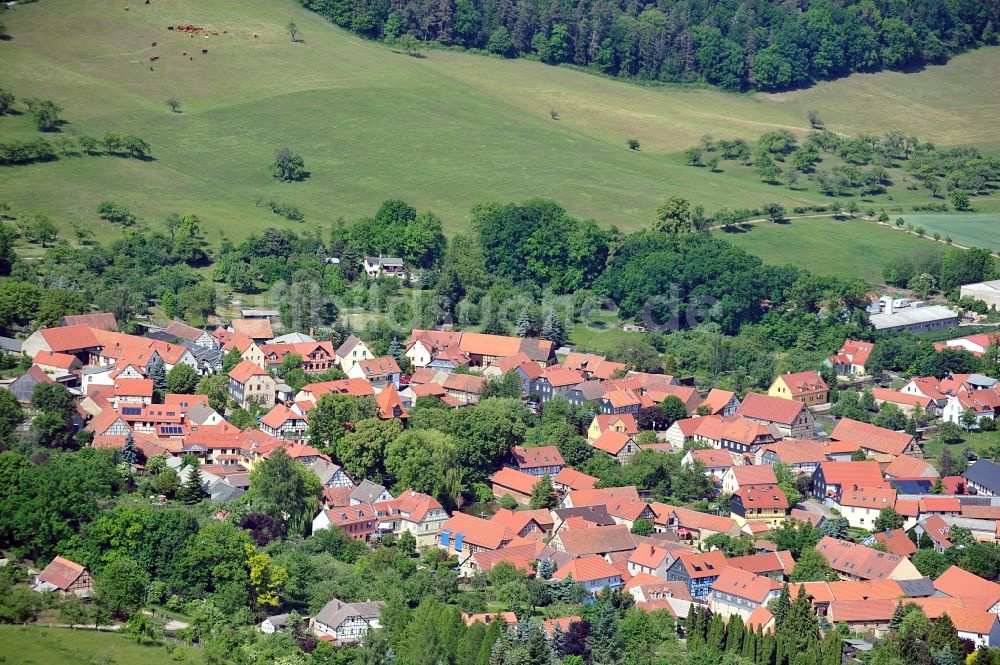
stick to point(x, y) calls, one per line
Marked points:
point(832, 647)
point(781, 606)
point(158, 374)
point(898, 615)
point(190, 491)
point(523, 326)
point(943, 634)
point(766, 649)
point(552, 329)
point(750, 646)
point(945, 657)
point(716, 638)
point(130, 453)
point(801, 626)
point(734, 634)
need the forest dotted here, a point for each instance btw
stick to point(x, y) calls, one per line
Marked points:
point(736, 46)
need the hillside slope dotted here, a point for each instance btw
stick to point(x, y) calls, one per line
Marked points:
point(443, 131)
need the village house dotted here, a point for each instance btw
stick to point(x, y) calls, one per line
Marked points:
point(513, 483)
point(719, 403)
point(593, 572)
point(650, 559)
point(861, 506)
point(803, 457)
point(765, 503)
point(717, 462)
point(983, 478)
point(905, 402)
point(832, 478)
point(619, 445)
point(65, 577)
point(851, 359)
point(537, 461)
point(682, 431)
point(57, 363)
point(776, 565)
point(977, 592)
point(251, 384)
point(980, 404)
point(351, 351)
point(555, 382)
point(806, 387)
point(618, 402)
point(463, 535)
point(380, 372)
point(315, 356)
point(857, 562)
point(464, 387)
point(285, 423)
point(357, 521)
point(874, 440)
point(738, 592)
point(259, 330)
point(698, 572)
point(390, 266)
point(624, 423)
point(592, 366)
point(906, 467)
point(747, 474)
point(600, 540)
point(330, 474)
point(570, 480)
point(530, 524)
point(791, 418)
point(346, 623)
point(182, 331)
point(742, 435)
point(423, 345)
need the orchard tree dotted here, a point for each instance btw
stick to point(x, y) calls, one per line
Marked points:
point(288, 166)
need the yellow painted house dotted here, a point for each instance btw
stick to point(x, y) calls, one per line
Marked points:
point(624, 423)
point(806, 387)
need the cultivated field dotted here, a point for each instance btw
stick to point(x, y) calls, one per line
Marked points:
point(971, 230)
point(62, 646)
point(442, 131)
point(826, 246)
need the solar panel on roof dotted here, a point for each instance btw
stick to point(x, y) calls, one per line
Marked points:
point(131, 410)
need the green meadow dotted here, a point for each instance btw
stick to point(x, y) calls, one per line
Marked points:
point(442, 131)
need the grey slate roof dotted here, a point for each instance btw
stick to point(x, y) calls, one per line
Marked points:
point(367, 492)
point(984, 473)
point(336, 612)
point(346, 347)
point(919, 588)
point(324, 469)
point(595, 514)
point(199, 413)
point(10, 345)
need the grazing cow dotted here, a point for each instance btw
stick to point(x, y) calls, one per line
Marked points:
point(154, 44)
point(204, 50)
point(154, 58)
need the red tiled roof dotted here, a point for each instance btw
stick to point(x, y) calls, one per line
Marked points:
point(378, 366)
point(560, 377)
point(857, 560)
point(606, 420)
point(134, 387)
point(587, 569)
point(871, 437)
point(574, 479)
point(873, 610)
point(960, 583)
point(896, 397)
point(847, 474)
point(101, 320)
point(717, 399)
point(801, 383)
point(711, 457)
point(940, 504)
point(876, 498)
point(60, 360)
point(905, 466)
point(762, 618)
point(796, 451)
point(390, 405)
point(513, 479)
point(611, 442)
point(896, 542)
point(465, 383)
point(61, 573)
point(253, 328)
point(538, 456)
point(245, 371)
point(69, 338)
point(744, 584)
point(278, 416)
point(766, 562)
point(704, 564)
point(754, 474)
point(772, 409)
point(597, 540)
point(477, 531)
point(762, 496)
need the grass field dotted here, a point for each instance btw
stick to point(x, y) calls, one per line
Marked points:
point(444, 131)
point(971, 230)
point(841, 248)
point(62, 646)
point(978, 441)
